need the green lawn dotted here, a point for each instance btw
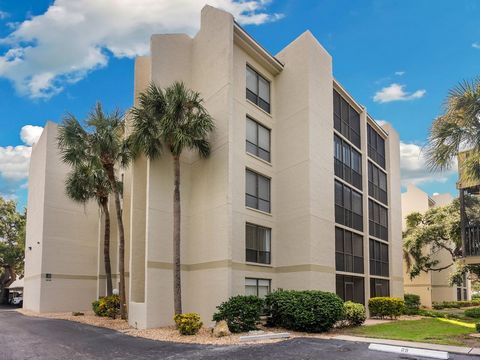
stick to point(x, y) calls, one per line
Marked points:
point(438, 331)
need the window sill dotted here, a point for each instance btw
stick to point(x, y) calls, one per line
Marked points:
point(258, 211)
point(259, 108)
point(259, 159)
point(259, 264)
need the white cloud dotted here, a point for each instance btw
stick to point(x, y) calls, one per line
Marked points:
point(399, 73)
point(476, 45)
point(73, 37)
point(413, 166)
point(14, 160)
point(396, 92)
point(30, 134)
point(3, 15)
point(381, 122)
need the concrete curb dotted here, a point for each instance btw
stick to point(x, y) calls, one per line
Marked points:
point(449, 348)
point(268, 336)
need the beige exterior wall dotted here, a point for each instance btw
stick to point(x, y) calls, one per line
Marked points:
point(62, 237)
point(214, 215)
point(432, 286)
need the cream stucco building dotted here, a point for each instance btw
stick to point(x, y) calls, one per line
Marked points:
point(301, 191)
point(433, 286)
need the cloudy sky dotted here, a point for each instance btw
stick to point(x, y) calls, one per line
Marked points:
point(397, 57)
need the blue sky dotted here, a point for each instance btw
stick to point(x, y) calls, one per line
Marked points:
point(398, 58)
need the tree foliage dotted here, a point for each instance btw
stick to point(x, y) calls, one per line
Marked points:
point(438, 230)
point(12, 244)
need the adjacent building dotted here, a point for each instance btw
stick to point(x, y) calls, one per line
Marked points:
point(433, 286)
point(301, 190)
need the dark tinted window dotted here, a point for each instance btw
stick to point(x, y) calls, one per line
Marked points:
point(348, 162)
point(257, 191)
point(257, 244)
point(379, 287)
point(258, 140)
point(258, 89)
point(378, 258)
point(348, 206)
point(348, 251)
point(377, 220)
point(376, 147)
point(346, 119)
point(377, 183)
point(350, 288)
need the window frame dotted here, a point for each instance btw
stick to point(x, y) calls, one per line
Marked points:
point(373, 287)
point(341, 168)
point(257, 146)
point(257, 282)
point(377, 258)
point(269, 240)
point(374, 188)
point(256, 197)
point(346, 261)
point(256, 97)
point(344, 211)
point(346, 119)
point(373, 146)
point(359, 295)
point(375, 228)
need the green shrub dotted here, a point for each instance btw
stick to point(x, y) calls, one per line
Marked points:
point(386, 307)
point(412, 304)
point(188, 324)
point(477, 327)
point(430, 313)
point(310, 311)
point(473, 312)
point(242, 313)
point(475, 296)
point(455, 304)
point(108, 306)
point(354, 314)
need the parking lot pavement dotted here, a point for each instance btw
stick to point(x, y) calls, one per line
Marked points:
point(23, 337)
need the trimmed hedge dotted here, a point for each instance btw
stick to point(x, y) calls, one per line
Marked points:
point(455, 304)
point(386, 307)
point(412, 304)
point(242, 313)
point(107, 306)
point(473, 313)
point(188, 324)
point(475, 296)
point(309, 310)
point(477, 327)
point(354, 314)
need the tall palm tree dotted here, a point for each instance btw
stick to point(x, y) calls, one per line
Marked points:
point(176, 118)
point(84, 183)
point(458, 128)
point(101, 143)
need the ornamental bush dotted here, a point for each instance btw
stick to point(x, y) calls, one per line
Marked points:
point(242, 313)
point(412, 304)
point(455, 304)
point(188, 324)
point(477, 327)
point(473, 313)
point(386, 307)
point(309, 311)
point(354, 314)
point(107, 306)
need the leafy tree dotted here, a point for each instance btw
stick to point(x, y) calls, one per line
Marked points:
point(438, 229)
point(458, 128)
point(176, 118)
point(87, 181)
point(101, 144)
point(12, 245)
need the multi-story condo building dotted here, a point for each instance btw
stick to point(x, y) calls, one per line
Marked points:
point(301, 190)
point(433, 286)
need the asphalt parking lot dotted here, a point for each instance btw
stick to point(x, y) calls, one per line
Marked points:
point(23, 337)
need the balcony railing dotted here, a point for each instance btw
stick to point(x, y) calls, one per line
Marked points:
point(472, 240)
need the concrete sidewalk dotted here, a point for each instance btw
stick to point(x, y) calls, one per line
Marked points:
point(420, 345)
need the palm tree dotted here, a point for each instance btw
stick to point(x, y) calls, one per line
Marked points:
point(84, 183)
point(102, 144)
point(176, 118)
point(457, 129)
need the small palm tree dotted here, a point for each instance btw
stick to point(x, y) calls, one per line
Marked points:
point(176, 118)
point(102, 144)
point(84, 183)
point(458, 128)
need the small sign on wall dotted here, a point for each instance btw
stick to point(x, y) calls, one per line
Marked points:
point(48, 277)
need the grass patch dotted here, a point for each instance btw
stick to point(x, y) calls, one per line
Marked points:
point(437, 331)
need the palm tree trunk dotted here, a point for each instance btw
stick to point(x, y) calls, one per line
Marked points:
point(177, 282)
point(106, 246)
point(121, 246)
